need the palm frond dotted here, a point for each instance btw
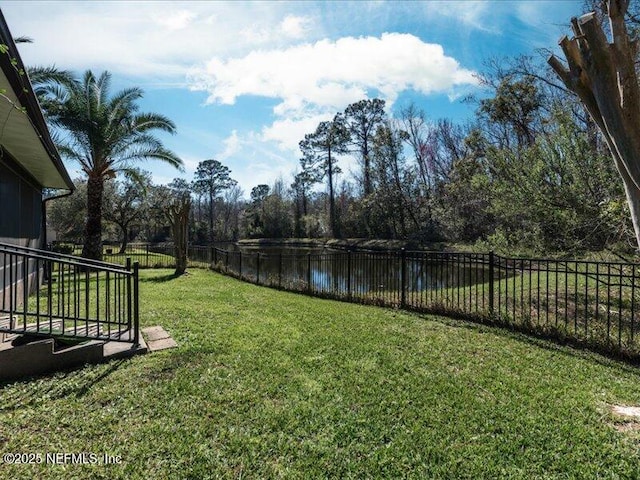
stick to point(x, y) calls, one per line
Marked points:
point(137, 176)
point(23, 39)
point(41, 75)
point(102, 86)
point(144, 153)
point(152, 121)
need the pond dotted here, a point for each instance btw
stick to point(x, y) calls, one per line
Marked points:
point(357, 272)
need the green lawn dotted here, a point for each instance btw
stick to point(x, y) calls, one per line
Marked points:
point(269, 384)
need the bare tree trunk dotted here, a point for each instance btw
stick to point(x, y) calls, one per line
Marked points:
point(367, 168)
point(180, 232)
point(604, 77)
point(92, 247)
point(632, 192)
point(332, 201)
point(125, 239)
point(633, 198)
point(211, 239)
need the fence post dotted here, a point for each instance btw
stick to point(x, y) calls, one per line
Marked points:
point(491, 279)
point(226, 265)
point(349, 273)
point(258, 269)
point(147, 255)
point(280, 270)
point(240, 266)
point(309, 272)
point(129, 293)
point(136, 305)
point(633, 297)
point(403, 278)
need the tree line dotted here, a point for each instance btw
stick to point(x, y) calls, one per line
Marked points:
point(530, 171)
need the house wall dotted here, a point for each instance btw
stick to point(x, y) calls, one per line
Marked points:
point(20, 207)
point(20, 224)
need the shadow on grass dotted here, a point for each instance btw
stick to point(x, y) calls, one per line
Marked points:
point(566, 346)
point(188, 364)
point(160, 279)
point(15, 394)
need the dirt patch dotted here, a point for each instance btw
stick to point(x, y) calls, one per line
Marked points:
point(627, 419)
point(626, 411)
point(628, 427)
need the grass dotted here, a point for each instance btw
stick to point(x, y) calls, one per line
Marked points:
point(269, 384)
point(584, 303)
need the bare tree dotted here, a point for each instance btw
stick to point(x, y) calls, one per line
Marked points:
point(212, 177)
point(124, 203)
point(362, 120)
point(320, 149)
point(178, 214)
point(604, 77)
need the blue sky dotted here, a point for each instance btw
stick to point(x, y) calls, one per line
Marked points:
point(244, 81)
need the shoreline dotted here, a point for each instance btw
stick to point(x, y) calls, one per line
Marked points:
point(345, 244)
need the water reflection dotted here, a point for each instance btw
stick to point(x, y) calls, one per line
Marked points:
point(361, 272)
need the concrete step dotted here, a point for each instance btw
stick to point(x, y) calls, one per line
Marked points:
point(47, 355)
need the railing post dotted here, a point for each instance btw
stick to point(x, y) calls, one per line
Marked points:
point(491, 279)
point(403, 279)
point(129, 294)
point(136, 305)
point(349, 273)
point(309, 272)
point(45, 268)
point(49, 269)
point(212, 255)
point(633, 297)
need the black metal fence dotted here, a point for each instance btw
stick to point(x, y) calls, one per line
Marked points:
point(148, 255)
point(44, 293)
point(585, 302)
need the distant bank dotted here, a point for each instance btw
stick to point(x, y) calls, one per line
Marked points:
point(346, 243)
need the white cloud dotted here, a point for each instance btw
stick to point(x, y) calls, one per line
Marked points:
point(314, 81)
point(256, 34)
point(475, 14)
point(158, 40)
point(480, 15)
point(295, 27)
point(332, 74)
point(287, 132)
point(175, 20)
point(231, 146)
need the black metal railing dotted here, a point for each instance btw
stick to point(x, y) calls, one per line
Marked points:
point(43, 293)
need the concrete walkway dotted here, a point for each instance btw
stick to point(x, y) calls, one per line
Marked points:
point(158, 338)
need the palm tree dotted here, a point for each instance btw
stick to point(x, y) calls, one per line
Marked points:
point(105, 135)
